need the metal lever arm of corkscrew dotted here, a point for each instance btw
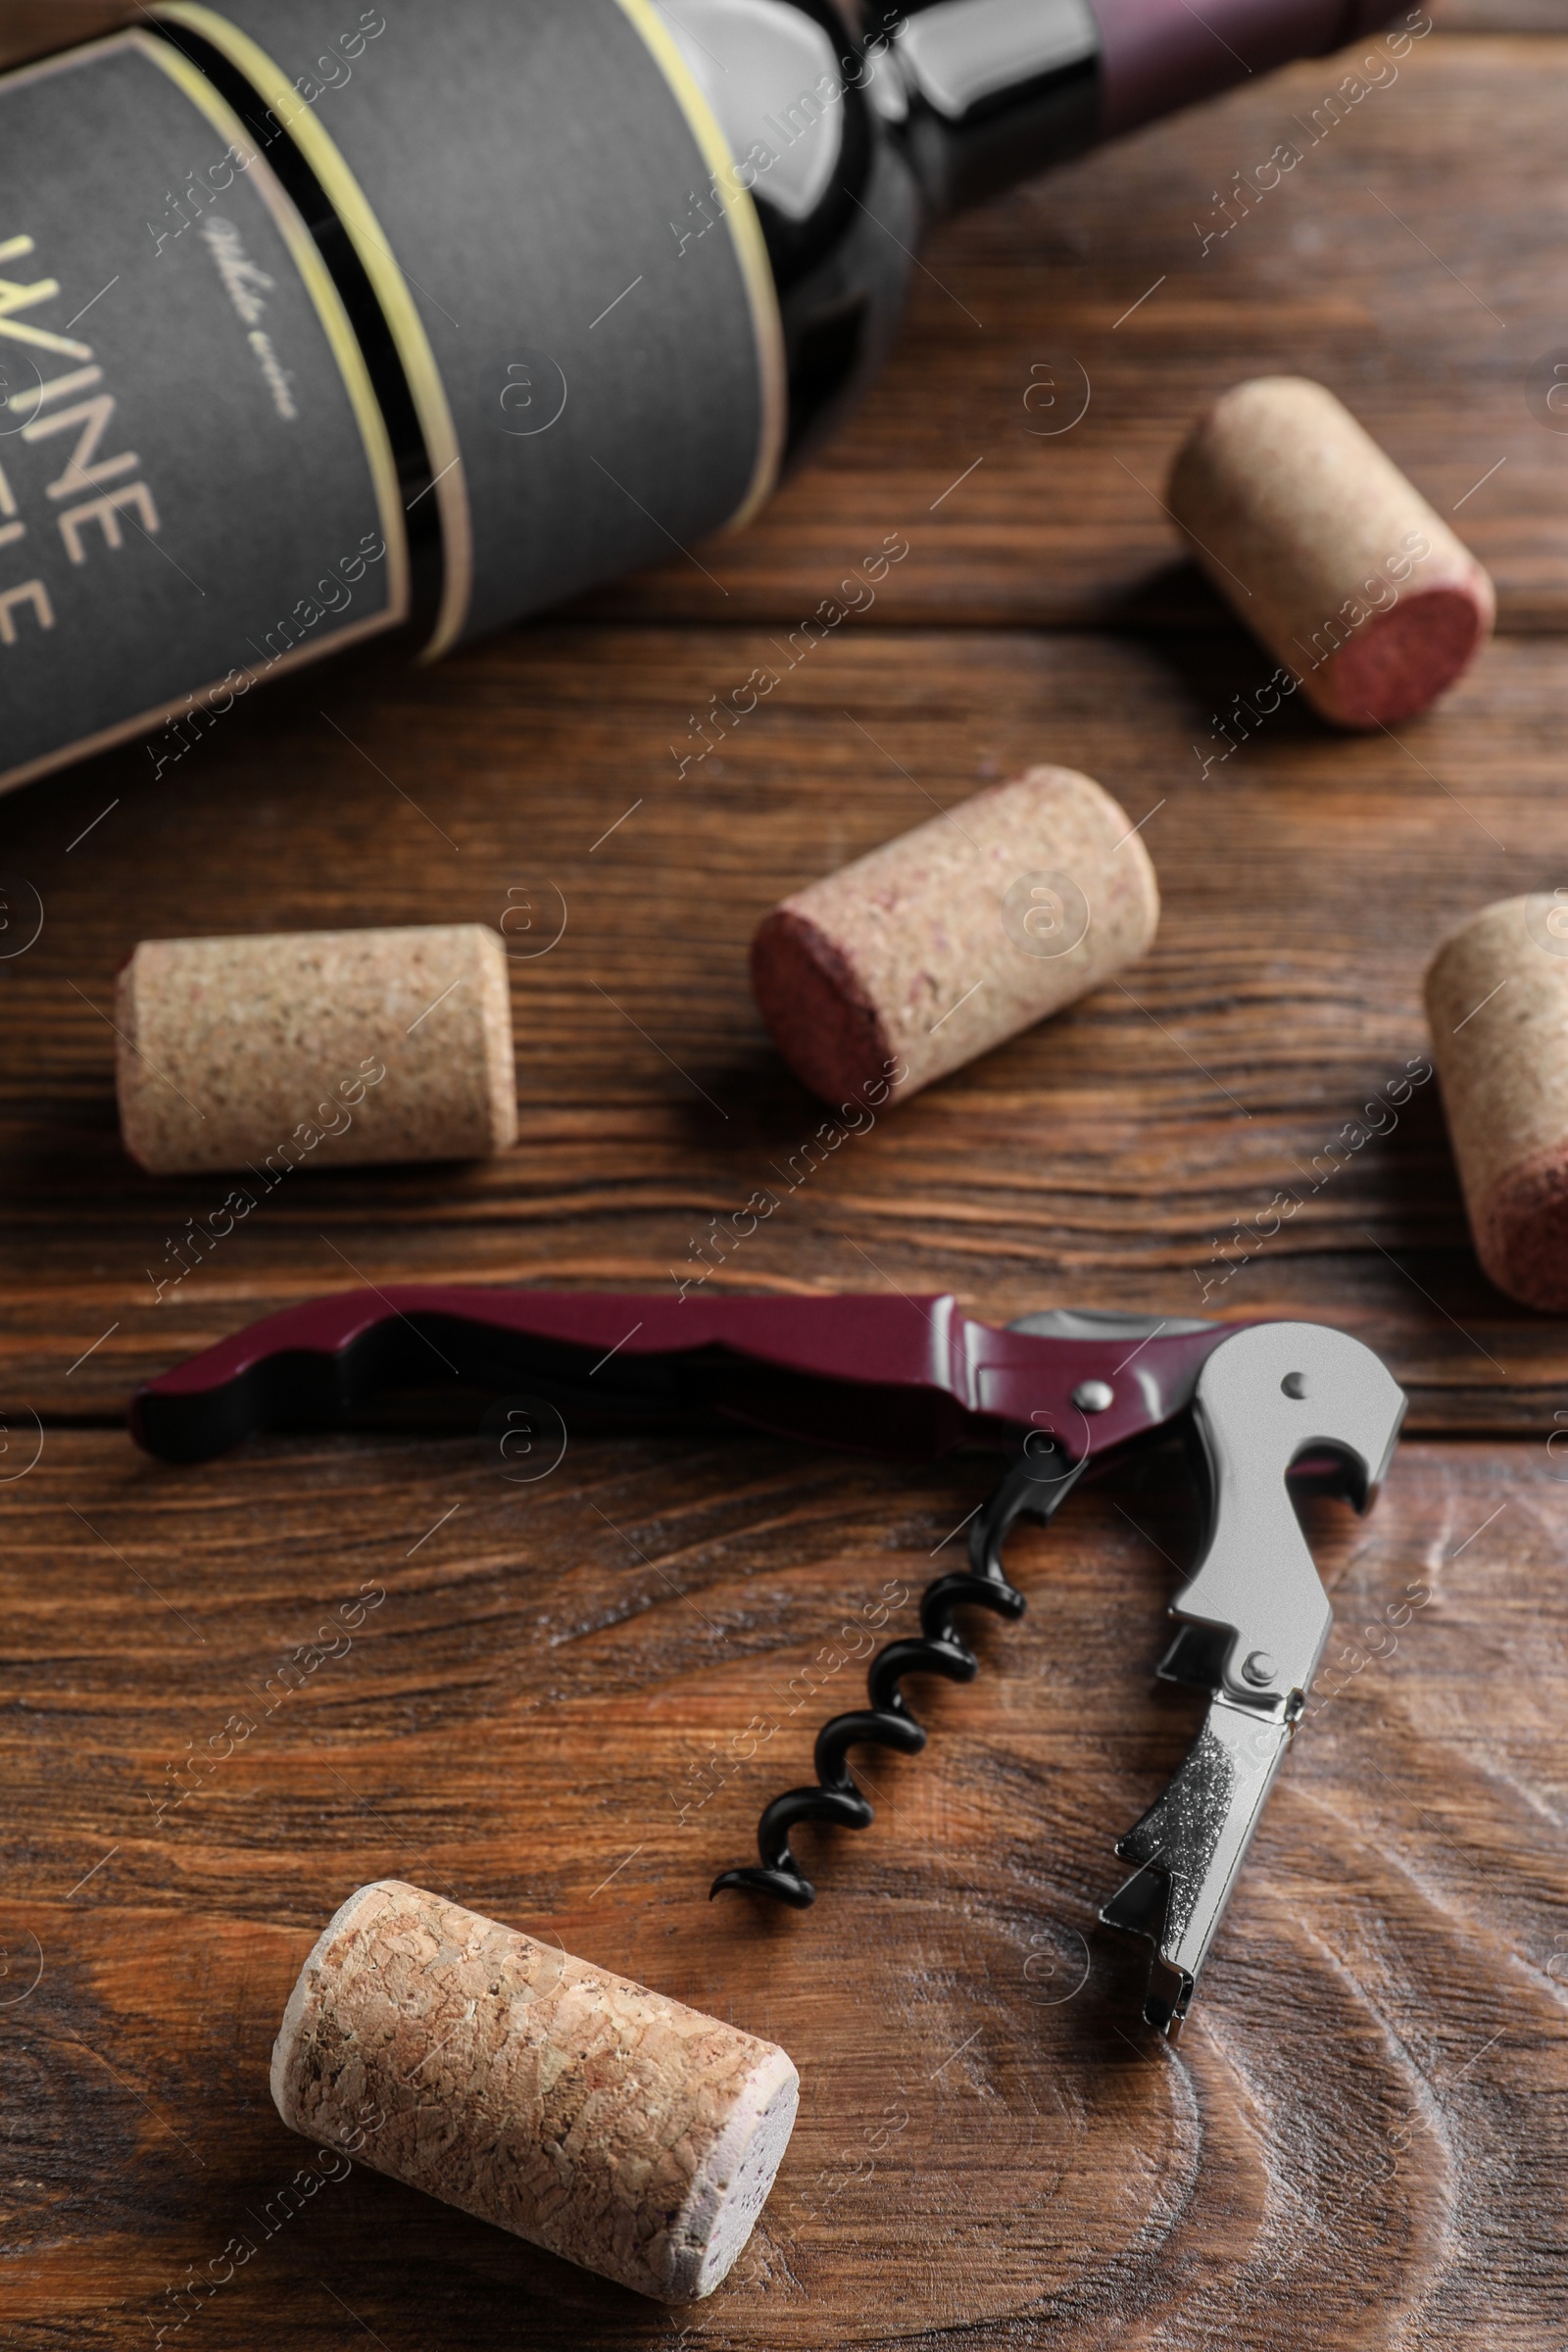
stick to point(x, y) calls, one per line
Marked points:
point(1254, 1619)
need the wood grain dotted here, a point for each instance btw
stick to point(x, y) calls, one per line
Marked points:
point(1122, 1154)
point(1430, 301)
point(1363, 2115)
point(1497, 16)
point(37, 28)
point(551, 1712)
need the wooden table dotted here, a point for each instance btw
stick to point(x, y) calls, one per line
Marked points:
point(1359, 2142)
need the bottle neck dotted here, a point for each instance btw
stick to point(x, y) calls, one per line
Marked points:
point(986, 92)
point(1159, 55)
point(989, 91)
point(859, 125)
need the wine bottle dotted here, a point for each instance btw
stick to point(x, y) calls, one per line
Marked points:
point(320, 322)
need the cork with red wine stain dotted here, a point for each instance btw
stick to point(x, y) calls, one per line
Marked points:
point(1498, 1002)
point(1328, 554)
point(611, 2125)
point(938, 946)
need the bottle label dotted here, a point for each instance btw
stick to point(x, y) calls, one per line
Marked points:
point(197, 489)
point(569, 261)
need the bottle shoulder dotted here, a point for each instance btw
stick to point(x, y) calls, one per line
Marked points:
point(805, 107)
point(856, 126)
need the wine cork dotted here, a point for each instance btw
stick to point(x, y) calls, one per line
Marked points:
point(604, 2121)
point(316, 1049)
point(1498, 1002)
point(1327, 553)
point(933, 949)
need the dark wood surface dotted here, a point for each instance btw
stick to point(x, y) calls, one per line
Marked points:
point(1364, 2124)
point(1373, 266)
point(1358, 2142)
point(1126, 1152)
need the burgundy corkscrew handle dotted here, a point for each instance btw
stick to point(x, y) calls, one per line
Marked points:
point(889, 1375)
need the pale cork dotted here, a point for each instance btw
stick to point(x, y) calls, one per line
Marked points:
point(316, 1049)
point(940, 944)
point(604, 2121)
point(1327, 553)
point(1498, 1002)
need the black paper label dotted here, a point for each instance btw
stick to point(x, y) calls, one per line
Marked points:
point(196, 486)
point(599, 384)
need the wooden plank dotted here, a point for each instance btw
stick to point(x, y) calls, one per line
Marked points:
point(1126, 1155)
point(1497, 16)
point(1429, 299)
point(552, 1713)
point(37, 28)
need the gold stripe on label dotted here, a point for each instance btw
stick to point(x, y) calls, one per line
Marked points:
point(352, 207)
point(751, 252)
point(318, 281)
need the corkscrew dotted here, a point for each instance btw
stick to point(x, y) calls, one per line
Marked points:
point(1266, 1405)
point(1035, 1486)
point(1254, 1621)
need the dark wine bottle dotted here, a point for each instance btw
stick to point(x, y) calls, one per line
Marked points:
point(321, 321)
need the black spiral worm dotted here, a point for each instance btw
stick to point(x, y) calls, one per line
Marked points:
point(1035, 1488)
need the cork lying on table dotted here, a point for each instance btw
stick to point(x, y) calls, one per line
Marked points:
point(604, 2121)
point(1327, 553)
point(1498, 1002)
point(940, 944)
point(317, 1047)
